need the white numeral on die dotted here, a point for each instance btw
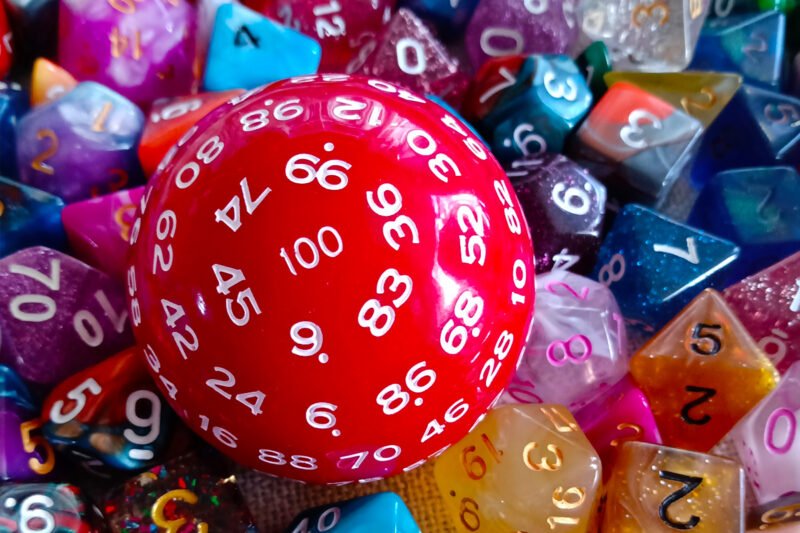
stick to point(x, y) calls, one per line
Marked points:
point(380, 318)
point(227, 278)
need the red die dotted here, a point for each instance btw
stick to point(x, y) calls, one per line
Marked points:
point(331, 278)
point(6, 52)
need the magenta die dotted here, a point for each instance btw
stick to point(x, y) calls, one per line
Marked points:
point(512, 27)
point(619, 415)
point(577, 347)
point(143, 49)
point(342, 27)
point(408, 53)
point(767, 442)
point(58, 315)
point(768, 304)
point(99, 229)
point(81, 145)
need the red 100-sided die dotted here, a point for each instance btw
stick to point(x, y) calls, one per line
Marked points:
point(331, 279)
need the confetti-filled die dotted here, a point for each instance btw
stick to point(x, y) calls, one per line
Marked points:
point(81, 145)
point(407, 53)
point(345, 29)
point(143, 49)
point(654, 36)
point(385, 512)
point(190, 494)
point(444, 345)
point(53, 507)
point(58, 315)
point(25, 454)
point(49, 82)
point(655, 489)
point(99, 229)
point(565, 208)
point(110, 412)
point(523, 468)
point(577, 347)
point(768, 304)
point(655, 266)
point(702, 373)
point(28, 217)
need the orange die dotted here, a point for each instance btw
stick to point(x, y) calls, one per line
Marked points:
point(49, 82)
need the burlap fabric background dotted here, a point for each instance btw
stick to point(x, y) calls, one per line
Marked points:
point(275, 502)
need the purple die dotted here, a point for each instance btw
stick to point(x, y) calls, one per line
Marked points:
point(577, 347)
point(58, 315)
point(565, 209)
point(407, 53)
point(512, 27)
point(142, 49)
point(81, 145)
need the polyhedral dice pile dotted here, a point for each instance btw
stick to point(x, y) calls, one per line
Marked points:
point(300, 231)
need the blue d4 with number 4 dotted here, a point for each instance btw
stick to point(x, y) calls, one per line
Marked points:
point(248, 50)
point(655, 266)
point(384, 512)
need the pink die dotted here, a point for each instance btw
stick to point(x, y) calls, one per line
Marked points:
point(98, 229)
point(577, 347)
point(768, 304)
point(621, 414)
point(766, 440)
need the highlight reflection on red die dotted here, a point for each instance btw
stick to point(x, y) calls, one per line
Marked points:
point(331, 279)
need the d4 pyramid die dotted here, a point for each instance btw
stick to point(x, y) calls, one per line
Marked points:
point(49, 82)
point(702, 95)
point(702, 373)
point(655, 266)
point(523, 468)
point(768, 304)
point(242, 38)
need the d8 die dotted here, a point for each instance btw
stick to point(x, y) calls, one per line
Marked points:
point(524, 468)
point(384, 511)
point(81, 145)
point(577, 347)
point(58, 315)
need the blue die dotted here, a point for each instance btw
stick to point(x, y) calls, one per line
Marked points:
point(384, 512)
point(758, 209)
point(654, 266)
point(28, 217)
point(13, 104)
point(449, 17)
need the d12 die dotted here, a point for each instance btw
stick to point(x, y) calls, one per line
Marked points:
point(342, 28)
point(655, 266)
point(25, 454)
point(385, 512)
point(56, 507)
point(407, 53)
point(657, 489)
point(565, 209)
point(189, 492)
point(142, 49)
point(170, 119)
point(242, 38)
point(765, 441)
point(577, 347)
point(58, 315)
point(13, 106)
point(111, 412)
point(752, 45)
point(756, 209)
point(535, 115)
point(28, 217)
point(99, 229)
point(768, 304)
point(702, 373)
point(656, 36)
point(449, 18)
point(702, 95)
point(502, 28)
point(524, 468)
point(637, 143)
point(49, 82)
point(81, 145)
point(621, 414)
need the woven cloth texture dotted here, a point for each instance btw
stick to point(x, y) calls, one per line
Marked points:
point(275, 502)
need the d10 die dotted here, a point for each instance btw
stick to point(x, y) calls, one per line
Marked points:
point(656, 489)
point(384, 511)
point(58, 315)
point(702, 373)
point(524, 468)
